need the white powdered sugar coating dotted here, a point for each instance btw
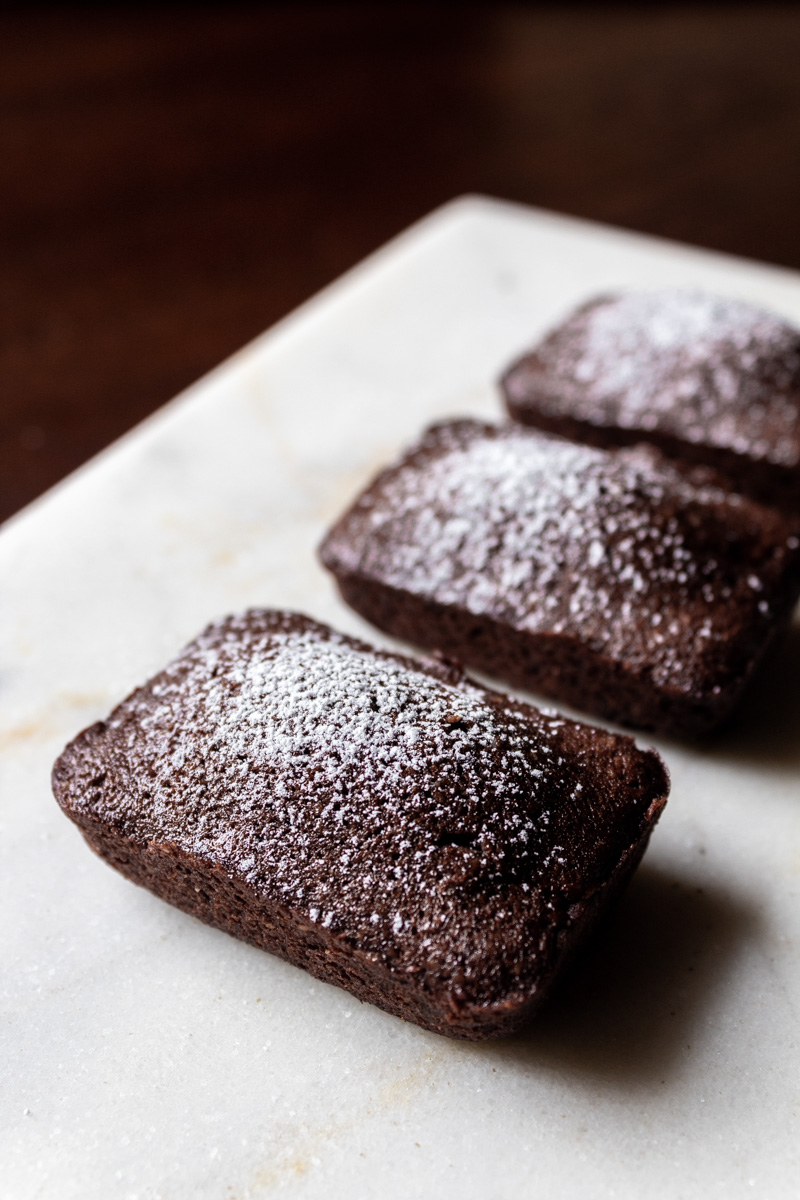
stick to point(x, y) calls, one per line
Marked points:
point(388, 825)
point(705, 368)
point(381, 801)
point(616, 549)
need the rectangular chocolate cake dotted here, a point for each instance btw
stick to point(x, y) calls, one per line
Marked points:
point(704, 378)
point(436, 848)
point(614, 580)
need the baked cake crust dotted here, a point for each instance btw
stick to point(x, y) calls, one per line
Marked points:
point(611, 579)
point(434, 847)
point(704, 378)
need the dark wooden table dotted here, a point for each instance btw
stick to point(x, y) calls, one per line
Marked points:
point(176, 179)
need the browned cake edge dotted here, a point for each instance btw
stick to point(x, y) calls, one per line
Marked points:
point(770, 483)
point(558, 666)
point(196, 886)
point(223, 898)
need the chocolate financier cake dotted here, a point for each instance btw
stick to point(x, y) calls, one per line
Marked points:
point(705, 379)
point(436, 848)
point(610, 579)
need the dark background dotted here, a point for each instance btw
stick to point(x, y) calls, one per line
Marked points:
point(173, 180)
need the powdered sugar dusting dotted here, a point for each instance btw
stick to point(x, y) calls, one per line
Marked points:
point(393, 805)
point(700, 367)
point(617, 549)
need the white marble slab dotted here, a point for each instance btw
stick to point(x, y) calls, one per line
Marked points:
point(144, 1055)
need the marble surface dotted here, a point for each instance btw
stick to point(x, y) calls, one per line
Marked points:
point(147, 1056)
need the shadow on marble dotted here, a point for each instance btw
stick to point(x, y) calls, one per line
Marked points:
point(630, 1012)
point(766, 726)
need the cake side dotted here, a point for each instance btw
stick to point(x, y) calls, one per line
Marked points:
point(557, 666)
point(394, 828)
point(610, 579)
point(703, 378)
